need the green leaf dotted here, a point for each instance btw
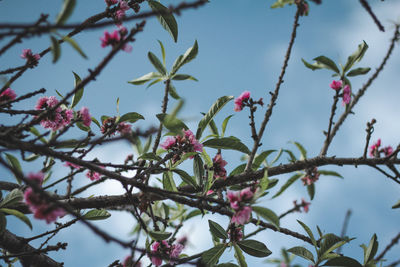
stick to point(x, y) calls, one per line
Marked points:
point(215, 108)
point(371, 250)
point(211, 256)
point(189, 55)
point(327, 63)
point(302, 252)
point(156, 63)
point(217, 230)
point(96, 214)
point(329, 243)
point(224, 124)
point(162, 51)
point(32, 157)
point(213, 128)
point(288, 183)
point(66, 11)
point(314, 66)
point(264, 182)
point(259, 159)
point(228, 264)
point(96, 122)
point(239, 256)
point(168, 182)
point(238, 170)
point(150, 156)
point(330, 173)
point(303, 151)
point(311, 191)
point(254, 248)
point(34, 131)
point(356, 56)
point(358, 71)
point(12, 198)
point(158, 235)
point(78, 95)
point(267, 214)
point(131, 117)
point(342, 261)
point(227, 143)
point(291, 155)
point(3, 222)
point(13, 161)
point(186, 177)
point(173, 93)
point(145, 78)
point(281, 3)
point(172, 123)
point(276, 157)
point(193, 213)
point(166, 19)
point(308, 230)
point(198, 169)
point(182, 77)
point(75, 46)
point(397, 205)
point(19, 215)
point(55, 49)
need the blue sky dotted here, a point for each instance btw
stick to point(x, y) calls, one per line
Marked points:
point(241, 47)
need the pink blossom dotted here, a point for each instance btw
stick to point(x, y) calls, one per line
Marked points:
point(7, 95)
point(305, 205)
point(110, 39)
point(311, 176)
point(111, 2)
point(158, 247)
point(283, 264)
point(48, 213)
point(374, 149)
point(92, 175)
point(209, 192)
point(218, 166)
point(176, 250)
point(37, 177)
point(346, 94)
point(129, 261)
point(85, 116)
point(242, 216)
point(336, 85)
point(388, 151)
point(124, 128)
point(196, 145)
point(56, 119)
point(168, 143)
point(31, 59)
point(239, 102)
point(246, 194)
point(123, 7)
point(72, 165)
point(234, 199)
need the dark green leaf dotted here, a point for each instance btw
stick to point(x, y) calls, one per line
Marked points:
point(211, 256)
point(291, 155)
point(371, 250)
point(75, 46)
point(330, 173)
point(12, 198)
point(327, 63)
point(227, 143)
point(172, 123)
point(131, 117)
point(356, 56)
point(228, 264)
point(198, 169)
point(158, 235)
point(254, 248)
point(55, 49)
point(328, 243)
point(314, 66)
point(66, 11)
point(168, 182)
point(311, 191)
point(37, 133)
point(189, 55)
point(193, 213)
point(397, 205)
point(19, 215)
point(150, 156)
point(358, 71)
point(224, 124)
point(289, 182)
point(162, 52)
point(173, 93)
point(302, 252)
point(82, 127)
point(145, 78)
point(32, 157)
point(3, 222)
point(96, 214)
point(186, 177)
point(213, 127)
point(78, 95)
point(157, 63)
point(239, 256)
point(267, 214)
point(258, 160)
point(166, 19)
point(276, 157)
point(96, 122)
point(217, 230)
point(238, 170)
point(215, 108)
point(182, 77)
point(13, 161)
point(342, 262)
point(302, 150)
point(308, 230)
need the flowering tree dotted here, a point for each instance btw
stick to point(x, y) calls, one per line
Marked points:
point(177, 173)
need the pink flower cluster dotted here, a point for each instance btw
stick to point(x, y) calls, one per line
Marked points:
point(219, 166)
point(304, 204)
point(92, 175)
point(129, 262)
point(40, 208)
point(31, 59)
point(164, 248)
point(376, 151)
point(311, 176)
point(237, 199)
point(7, 95)
point(185, 143)
point(241, 101)
point(84, 115)
point(56, 119)
point(346, 96)
point(115, 38)
point(110, 123)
